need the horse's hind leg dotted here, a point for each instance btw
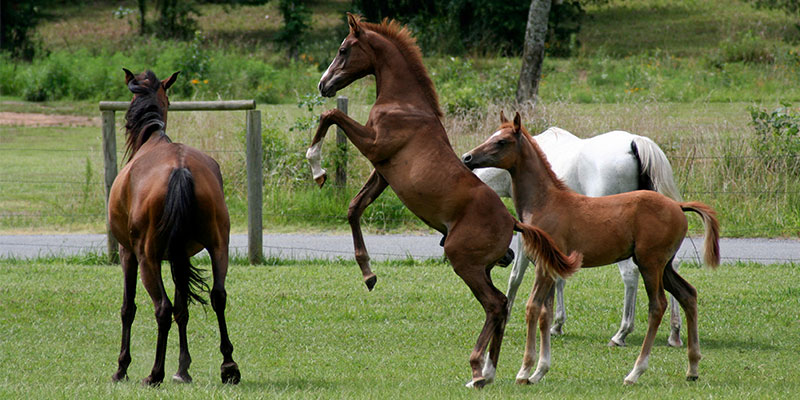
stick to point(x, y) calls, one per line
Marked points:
point(674, 339)
point(229, 371)
point(652, 271)
point(151, 279)
point(181, 312)
point(373, 188)
point(686, 295)
point(561, 309)
point(128, 312)
point(521, 263)
point(630, 279)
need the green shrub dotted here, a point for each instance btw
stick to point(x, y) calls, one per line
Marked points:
point(747, 47)
point(777, 141)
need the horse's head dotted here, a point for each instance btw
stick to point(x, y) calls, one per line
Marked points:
point(500, 150)
point(147, 84)
point(353, 61)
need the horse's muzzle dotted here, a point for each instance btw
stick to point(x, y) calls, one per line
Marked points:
point(467, 160)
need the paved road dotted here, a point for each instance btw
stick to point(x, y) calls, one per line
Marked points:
point(381, 247)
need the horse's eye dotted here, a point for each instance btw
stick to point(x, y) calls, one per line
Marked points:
point(342, 50)
point(501, 142)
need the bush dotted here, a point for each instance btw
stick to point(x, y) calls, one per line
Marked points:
point(777, 141)
point(747, 47)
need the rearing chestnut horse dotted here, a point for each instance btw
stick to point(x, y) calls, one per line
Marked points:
point(167, 203)
point(644, 225)
point(407, 144)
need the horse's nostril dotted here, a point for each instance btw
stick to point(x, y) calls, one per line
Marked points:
point(466, 158)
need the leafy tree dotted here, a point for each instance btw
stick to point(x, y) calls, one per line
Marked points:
point(175, 19)
point(17, 20)
point(296, 22)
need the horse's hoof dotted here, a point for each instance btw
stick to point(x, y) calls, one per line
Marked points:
point(182, 378)
point(628, 383)
point(521, 381)
point(507, 259)
point(692, 378)
point(556, 331)
point(321, 179)
point(612, 343)
point(152, 382)
point(477, 383)
point(119, 376)
point(230, 373)
point(674, 342)
point(370, 282)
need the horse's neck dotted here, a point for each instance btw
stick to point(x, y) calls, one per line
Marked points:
point(395, 80)
point(532, 183)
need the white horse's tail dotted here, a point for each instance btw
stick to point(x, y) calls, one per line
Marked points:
point(655, 167)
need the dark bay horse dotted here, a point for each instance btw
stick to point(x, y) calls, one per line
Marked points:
point(644, 225)
point(406, 143)
point(167, 203)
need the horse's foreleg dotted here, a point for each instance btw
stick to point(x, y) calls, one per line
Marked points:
point(545, 317)
point(561, 309)
point(129, 268)
point(630, 279)
point(373, 188)
point(361, 137)
point(542, 288)
point(229, 371)
point(521, 263)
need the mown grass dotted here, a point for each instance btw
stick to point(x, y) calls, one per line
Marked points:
point(311, 330)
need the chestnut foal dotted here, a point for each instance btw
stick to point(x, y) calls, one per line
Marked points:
point(644, 225)
point(406, 143)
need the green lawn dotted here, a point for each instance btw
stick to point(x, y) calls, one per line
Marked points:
point(311, 330)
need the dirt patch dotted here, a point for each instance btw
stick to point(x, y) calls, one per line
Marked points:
point(32, 119)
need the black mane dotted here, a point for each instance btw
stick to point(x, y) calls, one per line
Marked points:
point(145, 115)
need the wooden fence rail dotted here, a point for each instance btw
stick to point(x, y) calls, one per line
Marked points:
point(254, 163)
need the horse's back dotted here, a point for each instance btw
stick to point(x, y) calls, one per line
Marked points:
point(606, 165)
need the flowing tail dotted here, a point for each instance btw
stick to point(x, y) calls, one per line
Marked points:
point(711, 255)
point(175, 227)
point(540, 247)
point(655, 169)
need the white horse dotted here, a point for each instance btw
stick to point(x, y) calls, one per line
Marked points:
point(611, 163)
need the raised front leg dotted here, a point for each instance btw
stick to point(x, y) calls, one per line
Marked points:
point(229, 371)
point(129, 268)
point(373, 188)
point(361, 136)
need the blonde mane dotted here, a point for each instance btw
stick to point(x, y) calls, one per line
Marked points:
point(556, 181)
point(400, 35)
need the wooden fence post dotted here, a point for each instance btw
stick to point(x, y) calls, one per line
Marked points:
point(110, 165)
point(255, 187)
point(341, 148)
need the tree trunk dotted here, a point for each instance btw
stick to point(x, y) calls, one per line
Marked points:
point(142, 19)
point(533, 51)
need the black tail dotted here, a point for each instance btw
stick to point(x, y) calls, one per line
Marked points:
point(175, 226)
point(645, 181)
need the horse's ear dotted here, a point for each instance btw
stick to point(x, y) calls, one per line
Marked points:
point(169, 81)
point(128, 76)
point(503, 118)
point(353, 21)
point(517, 123)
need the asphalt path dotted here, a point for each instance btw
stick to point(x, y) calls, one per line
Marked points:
point(380, 247)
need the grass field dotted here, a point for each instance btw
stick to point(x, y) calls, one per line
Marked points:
point(311, 330)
